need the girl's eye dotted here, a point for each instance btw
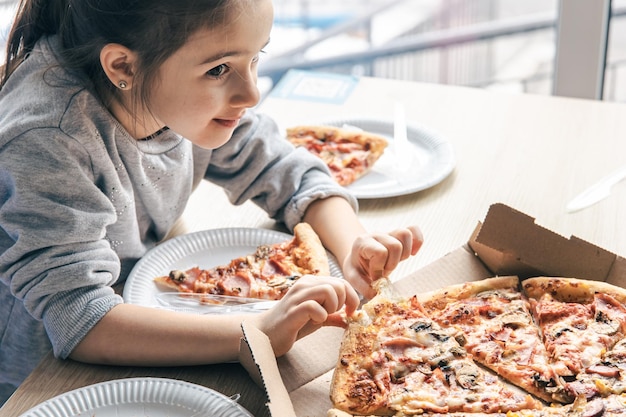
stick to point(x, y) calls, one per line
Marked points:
point(218, 71)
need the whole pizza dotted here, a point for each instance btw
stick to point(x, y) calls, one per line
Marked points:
point(545, 346)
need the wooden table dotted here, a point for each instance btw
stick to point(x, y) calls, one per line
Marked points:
point(533, 153)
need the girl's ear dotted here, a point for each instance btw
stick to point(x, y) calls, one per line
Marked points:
point(118, 63)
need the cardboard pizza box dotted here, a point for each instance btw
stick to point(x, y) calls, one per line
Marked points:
point(507, 242)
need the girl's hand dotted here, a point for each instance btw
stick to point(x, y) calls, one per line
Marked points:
point(311, 303)
point(376, 255)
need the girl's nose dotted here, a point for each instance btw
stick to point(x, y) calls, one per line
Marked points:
point(247, 93)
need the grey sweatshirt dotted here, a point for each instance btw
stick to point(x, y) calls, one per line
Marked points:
point(81, 201)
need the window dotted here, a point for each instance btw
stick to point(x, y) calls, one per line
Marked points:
point(496, 44)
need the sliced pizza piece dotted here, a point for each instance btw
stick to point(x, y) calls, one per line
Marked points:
point(267, 274)
point(395, 360)
point(348, 153)
point(607, 376)
point(497, 328)
point(580, 321)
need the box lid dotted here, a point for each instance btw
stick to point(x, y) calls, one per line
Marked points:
point(510, 242)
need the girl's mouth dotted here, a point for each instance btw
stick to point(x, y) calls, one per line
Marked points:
point(227, 122)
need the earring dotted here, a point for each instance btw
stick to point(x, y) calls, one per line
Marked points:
point(122, 84)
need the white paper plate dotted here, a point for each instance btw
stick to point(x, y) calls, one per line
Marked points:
point(206, 249)
point(141, 397)
point(434, 161)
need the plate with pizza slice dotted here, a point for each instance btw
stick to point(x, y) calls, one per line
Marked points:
point(364, 157)
point(227, 270)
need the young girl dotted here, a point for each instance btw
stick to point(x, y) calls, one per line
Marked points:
point(111, 113)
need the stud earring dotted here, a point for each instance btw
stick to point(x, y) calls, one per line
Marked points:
point(122, 84)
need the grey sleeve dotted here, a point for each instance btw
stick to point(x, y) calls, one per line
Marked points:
point(53, 253)
point(259, 164)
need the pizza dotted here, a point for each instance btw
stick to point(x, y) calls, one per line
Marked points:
point(397, 360)
point(497, 347)
point(584, 328)
point(497, 327)
point(348, 153)
point(266, 274)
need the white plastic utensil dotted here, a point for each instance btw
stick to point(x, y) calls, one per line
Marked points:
point(212, 304)
point(403, 153)
point(597, 192)
point(229, 405)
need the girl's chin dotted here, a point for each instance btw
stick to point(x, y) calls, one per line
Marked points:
point(212, 140)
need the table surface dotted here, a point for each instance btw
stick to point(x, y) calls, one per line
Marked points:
point(533, 153)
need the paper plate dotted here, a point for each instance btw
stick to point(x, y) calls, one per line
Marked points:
point(205, 249)
point(145, 397)
point(433, 160)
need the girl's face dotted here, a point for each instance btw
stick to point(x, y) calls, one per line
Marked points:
point(205, 87)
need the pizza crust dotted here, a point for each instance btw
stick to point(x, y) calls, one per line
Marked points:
point(311, 252)
point(443, 296)
point(357, 344)
point(571, 290)
point(360, 342)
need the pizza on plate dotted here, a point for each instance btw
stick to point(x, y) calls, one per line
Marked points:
point(545, 347)
point(266, 274)
point(348, 153)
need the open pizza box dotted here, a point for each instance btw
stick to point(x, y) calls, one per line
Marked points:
point(508, 242)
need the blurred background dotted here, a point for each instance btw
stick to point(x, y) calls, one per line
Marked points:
point(509, 45)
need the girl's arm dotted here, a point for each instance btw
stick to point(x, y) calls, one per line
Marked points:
point(136, 335)
point(337, 225)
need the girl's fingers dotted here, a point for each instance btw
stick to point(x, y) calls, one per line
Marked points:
point(338, 319)
point(329, 293)
point(311, 311)
point(373, 257)
point(406, 239)
point(418, 239)
point(383, 252)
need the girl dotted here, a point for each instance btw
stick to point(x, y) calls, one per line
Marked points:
point(112, 111)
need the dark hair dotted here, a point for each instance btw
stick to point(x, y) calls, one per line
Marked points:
point(153, 29)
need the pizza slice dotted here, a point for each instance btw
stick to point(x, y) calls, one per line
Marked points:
point(395, 360)
point(607, 376)
point(494, 320)
point(611, 406)
point(581, 321)
point(348, 153)
point(267, 273)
